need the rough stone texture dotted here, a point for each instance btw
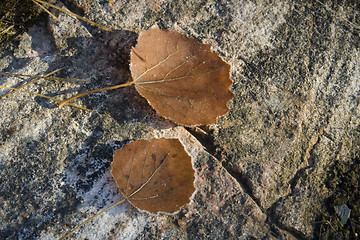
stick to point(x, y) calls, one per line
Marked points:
point(271, 168)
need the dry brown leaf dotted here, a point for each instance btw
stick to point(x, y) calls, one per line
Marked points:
point(154, 175)
point(181, 78)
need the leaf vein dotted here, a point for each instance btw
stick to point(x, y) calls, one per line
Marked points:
point(151, 176)
point(175, 79)
point(154, 196)
point(156, 65)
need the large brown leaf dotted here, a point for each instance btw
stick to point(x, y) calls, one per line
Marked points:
point(181, 78)
point(154, 175)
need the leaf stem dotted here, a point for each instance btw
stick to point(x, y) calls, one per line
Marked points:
point(94, 91)
point(87, 220)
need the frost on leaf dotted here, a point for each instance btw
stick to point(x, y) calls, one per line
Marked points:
point(154, 175)
point(181, 78)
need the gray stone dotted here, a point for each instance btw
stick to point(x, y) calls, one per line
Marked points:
point(343, 212)
point(261, 172)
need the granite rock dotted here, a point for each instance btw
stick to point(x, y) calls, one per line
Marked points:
point(262, 172)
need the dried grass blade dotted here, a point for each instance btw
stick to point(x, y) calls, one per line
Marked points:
point(7, 29)
point(45, 9)
point(49, 78)
point(75, 15)
point(28, 83)
point(44, 96)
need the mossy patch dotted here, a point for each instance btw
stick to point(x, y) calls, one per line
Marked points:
point(17, 17)
point(343, 180)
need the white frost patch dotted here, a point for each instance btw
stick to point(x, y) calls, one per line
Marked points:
point(31, 129)
point(110, 225)
point(117, 222)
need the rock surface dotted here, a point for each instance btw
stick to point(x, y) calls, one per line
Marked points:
point(274, 167)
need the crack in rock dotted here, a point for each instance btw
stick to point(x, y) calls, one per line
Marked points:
point(205, 138)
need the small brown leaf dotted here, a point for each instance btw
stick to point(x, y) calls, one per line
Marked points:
point(181, 78)
point(154, 175)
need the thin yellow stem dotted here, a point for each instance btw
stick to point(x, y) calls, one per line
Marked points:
point(38, 77)
point(87, 220)
point(46, 11)
point(44, 96)
point(28, 83)
point(94, 91)
point(74, 15)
